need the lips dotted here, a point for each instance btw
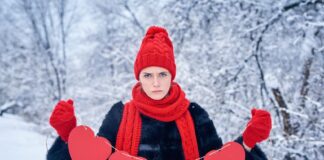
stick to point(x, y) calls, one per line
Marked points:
point(157, 91)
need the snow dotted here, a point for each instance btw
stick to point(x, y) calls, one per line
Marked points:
point(272, 81)
point(6, 105)
point(19, 140)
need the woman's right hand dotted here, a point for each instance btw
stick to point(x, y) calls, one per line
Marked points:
point(63, 119)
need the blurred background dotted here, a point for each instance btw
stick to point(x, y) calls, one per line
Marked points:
point(231, 56)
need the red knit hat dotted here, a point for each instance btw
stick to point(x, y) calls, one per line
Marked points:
point(156, 50)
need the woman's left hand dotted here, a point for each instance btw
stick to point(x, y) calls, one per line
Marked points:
point(258, 128)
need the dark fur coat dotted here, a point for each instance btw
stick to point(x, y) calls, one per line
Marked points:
point(159, 140)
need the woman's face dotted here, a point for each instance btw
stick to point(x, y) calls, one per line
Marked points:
point(155, 81)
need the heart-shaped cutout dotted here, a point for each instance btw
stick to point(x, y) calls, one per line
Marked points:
point(229, 151)
point(84, 145)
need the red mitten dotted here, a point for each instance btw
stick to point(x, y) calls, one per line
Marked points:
point(258, 128)
point(63, 118)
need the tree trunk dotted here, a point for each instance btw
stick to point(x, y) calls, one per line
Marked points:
point(288, 129)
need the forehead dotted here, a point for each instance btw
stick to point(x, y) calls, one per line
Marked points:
point(154, 69)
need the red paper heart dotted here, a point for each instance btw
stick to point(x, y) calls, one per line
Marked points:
point(84, 145)
point(121, 155)
point(229, 151)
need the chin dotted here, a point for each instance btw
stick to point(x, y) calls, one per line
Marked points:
point(157, 97)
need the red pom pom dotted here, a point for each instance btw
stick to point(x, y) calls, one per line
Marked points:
point(155, 29)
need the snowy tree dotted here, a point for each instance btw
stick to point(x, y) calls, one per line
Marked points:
point(33, 59)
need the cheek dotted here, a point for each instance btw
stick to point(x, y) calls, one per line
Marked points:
point(167, 84)
point(145, 86)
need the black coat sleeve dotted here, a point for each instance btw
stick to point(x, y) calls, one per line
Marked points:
point(58, 151)
point(109, 128)
point(110, 124)
point(207, 137)
point(255, 154)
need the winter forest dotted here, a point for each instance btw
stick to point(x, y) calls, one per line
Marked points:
point(231, 55)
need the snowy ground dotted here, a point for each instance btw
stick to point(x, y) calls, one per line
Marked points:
point(19, 140)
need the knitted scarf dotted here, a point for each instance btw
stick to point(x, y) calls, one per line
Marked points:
point(173, 107)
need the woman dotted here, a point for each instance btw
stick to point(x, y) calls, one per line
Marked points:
point(159, 122)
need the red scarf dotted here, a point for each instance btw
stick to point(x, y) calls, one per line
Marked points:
point(173, 107)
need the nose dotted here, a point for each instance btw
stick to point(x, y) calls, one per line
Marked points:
point(156, 82)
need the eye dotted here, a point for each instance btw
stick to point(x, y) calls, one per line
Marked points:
point(163, 74)
point(147, 75)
